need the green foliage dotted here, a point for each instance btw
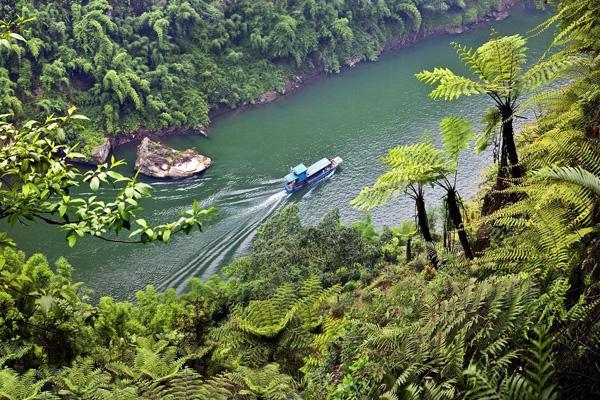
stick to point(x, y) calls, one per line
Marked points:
point(285, 251)
point(534, 384)
point(266, 383)
point(411, 167)
point(37, 176)
point(41, 310)
point(14, 386)
point(279, 328)
point(496, 69)
point(456, 134)
point(366, 229)
point(148, 64)
point(431, 354)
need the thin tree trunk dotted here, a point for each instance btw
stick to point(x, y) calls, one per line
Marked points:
point(509, 149)
point(409, 250)
point(423, 223)
point(456, 217)
point(422, 218)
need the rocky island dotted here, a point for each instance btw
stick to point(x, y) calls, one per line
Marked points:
point(160, 161)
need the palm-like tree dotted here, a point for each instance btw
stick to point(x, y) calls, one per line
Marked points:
point(412, 167)
point(405, 175)
point(497, 69)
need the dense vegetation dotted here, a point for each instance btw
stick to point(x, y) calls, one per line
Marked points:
point(154, 64)
point(338, 312)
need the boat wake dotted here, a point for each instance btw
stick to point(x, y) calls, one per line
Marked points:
point(231, 236)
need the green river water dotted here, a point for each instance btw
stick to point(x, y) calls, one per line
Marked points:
point(356, 115)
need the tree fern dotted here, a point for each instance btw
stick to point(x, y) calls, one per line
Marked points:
point(479, 324)
point(189, 385)
point(265, 383)
point(496, 70)
point(154, 361)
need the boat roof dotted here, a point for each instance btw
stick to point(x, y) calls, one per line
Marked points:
point(319, 165)
point(290, 177)
point(299, 169)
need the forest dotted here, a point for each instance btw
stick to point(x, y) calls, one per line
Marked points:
point(153, 65)
point(496, 298)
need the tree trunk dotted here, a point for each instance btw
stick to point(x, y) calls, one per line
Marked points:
point(509, 167)
point(422, 219)
point(408, 250)
point(456, 217)
point(509, 149)
point(423, 223)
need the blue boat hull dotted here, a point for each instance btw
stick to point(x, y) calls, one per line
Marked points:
point(313, 181)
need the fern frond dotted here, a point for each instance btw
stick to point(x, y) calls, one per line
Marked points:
point(456, 133)
point(449, 85)
point(575, 175)
point(543, 73)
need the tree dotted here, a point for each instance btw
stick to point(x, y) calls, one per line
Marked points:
point(456, 134)
point(405, 176)
point(497, 71)
point(413, 166)
point(37, 177)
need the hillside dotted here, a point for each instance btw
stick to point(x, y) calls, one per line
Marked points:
point(156, 65)
point(498, 301)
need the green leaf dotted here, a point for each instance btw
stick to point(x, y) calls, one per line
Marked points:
point(80, 117)
point(129, 192)
point(73, 155)
point(17, 36)
point(115, 175)
point(95, 184)
point(72, 239)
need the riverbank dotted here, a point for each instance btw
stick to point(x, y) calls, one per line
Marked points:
point(296, 82)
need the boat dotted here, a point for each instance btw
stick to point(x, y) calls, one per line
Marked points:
point(301, 176)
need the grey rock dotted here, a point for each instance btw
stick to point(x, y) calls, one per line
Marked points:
point(159, 161)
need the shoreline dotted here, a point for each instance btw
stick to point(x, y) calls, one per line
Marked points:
point(293, 84)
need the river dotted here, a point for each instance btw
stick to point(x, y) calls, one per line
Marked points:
point(356, 115)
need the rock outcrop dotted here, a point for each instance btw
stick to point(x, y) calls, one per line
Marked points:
point(100, 153)
point(268, 97)
point(159, 161)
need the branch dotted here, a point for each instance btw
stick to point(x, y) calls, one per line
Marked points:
point(50, 220)
point(496, 98)
point(117, 240)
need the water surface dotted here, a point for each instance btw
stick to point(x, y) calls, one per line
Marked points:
point(356, 115)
